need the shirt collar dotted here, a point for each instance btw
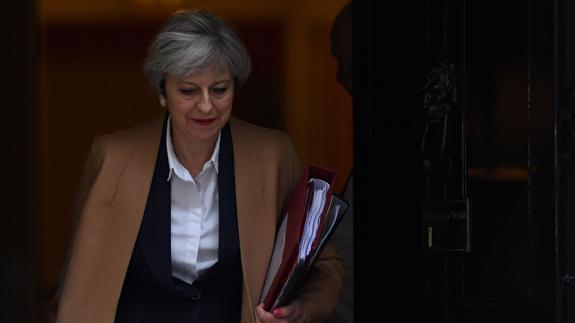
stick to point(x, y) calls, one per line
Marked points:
point(174, 164)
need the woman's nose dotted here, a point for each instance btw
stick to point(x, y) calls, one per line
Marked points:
point(205, 105)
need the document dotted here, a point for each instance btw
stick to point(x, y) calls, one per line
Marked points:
point(311, 215)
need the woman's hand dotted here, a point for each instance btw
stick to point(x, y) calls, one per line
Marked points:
point(293, 312)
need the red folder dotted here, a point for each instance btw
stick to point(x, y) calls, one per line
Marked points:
point(289, 238)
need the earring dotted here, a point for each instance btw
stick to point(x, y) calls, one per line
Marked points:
point(162, 101)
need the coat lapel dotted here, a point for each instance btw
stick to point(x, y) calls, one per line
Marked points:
point(256, 228)
point(228, 229)
point(133, 190)
point(154, 237)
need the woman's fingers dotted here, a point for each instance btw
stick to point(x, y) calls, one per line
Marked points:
point(263, 315)
point(289, 313)
point(284, 312)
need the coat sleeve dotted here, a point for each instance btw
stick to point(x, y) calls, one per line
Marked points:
point(320, 293)
point(90, 171)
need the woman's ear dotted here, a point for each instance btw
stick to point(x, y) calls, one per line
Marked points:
point(163, 101)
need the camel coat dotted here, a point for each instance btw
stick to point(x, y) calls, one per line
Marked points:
point(110, 205)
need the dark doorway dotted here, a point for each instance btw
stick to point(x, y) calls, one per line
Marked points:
point(463, 161)
point(19, 278)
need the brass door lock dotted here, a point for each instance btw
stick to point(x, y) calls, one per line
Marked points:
point(446, 225)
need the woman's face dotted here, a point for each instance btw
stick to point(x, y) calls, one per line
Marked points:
point(200, 104)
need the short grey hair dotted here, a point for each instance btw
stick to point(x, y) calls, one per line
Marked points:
point(191, 41)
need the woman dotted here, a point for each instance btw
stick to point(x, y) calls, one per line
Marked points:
point(176, 217)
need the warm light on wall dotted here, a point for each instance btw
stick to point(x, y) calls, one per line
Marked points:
point(155, 3)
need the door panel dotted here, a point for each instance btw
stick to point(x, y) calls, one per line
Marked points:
point(565, 177)
point(499, 268)
point(508, 138)
point(493, 122)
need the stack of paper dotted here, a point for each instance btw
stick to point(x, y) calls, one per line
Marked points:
point(319, 190)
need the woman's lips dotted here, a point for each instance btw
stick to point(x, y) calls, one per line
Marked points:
point(204, 122)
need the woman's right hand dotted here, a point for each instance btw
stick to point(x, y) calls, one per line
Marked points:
point(292, 313)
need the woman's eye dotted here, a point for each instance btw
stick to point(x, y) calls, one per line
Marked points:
point(187, 91)
point(220, 90)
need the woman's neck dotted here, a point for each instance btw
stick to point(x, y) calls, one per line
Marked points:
point(192, 154)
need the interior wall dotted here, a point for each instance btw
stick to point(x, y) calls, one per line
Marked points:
point(91, 83)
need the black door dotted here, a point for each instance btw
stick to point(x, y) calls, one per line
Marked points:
point(465, 161)
point(19, 257)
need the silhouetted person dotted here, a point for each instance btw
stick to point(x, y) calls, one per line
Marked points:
point(341, 48)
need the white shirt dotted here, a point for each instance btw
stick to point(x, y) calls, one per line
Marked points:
point(195, 215)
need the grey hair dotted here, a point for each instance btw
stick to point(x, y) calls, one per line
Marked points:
point(191, 41)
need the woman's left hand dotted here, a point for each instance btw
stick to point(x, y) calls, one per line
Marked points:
point(293, 312)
